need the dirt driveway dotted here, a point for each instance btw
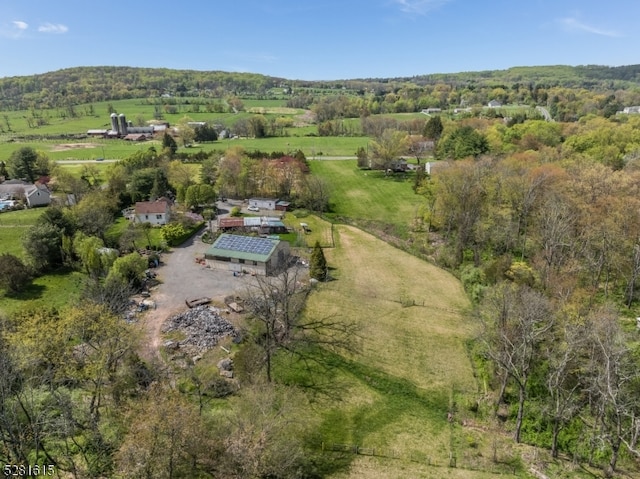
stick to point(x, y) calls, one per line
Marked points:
point(181, 278)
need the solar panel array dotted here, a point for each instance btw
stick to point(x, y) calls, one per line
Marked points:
point(245, 244)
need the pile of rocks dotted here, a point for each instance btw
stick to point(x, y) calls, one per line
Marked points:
point(202, 326)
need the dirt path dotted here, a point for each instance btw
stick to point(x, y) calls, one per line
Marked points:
point(181, 278)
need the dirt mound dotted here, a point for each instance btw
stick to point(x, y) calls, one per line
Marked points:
point(74, 146)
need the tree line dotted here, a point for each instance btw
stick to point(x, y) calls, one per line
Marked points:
point(546, 242)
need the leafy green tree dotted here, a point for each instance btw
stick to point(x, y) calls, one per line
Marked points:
point(180, 174)
point(61, 218)
point(141, 183)
point(43, 164)
point(128, 269)
point(205, 133)
point(96, 260)
point(257, 126)
point(463, 142)
point(23, 164)
point(318, 264)
point(199, 195)
point(185, 131)
point(14, 275)
point(391, 145)
point(95, 213)
point(43, 246)
point(209, 171)
point(172, 232)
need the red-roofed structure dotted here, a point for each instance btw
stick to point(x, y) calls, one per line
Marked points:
point(155, 212)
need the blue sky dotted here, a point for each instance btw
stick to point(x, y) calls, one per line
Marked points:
point(317, 39)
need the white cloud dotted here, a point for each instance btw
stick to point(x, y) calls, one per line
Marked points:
point(53, 28)
point(14, 29)
point(419, 7)
point(575, 25)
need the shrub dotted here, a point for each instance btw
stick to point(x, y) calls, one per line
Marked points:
point(14, 275)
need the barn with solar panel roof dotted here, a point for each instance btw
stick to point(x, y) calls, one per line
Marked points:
point(249, 254)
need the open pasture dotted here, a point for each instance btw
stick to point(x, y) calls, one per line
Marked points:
point(367, 194)
point(412, 368)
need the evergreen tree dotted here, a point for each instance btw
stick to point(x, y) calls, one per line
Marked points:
point(433, 128)
point(169, 142)
point(318, 264)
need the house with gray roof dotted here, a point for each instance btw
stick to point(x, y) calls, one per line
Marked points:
point(34, 195)
point(248, 254)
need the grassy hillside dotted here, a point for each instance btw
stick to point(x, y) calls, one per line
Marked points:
point(413, 368)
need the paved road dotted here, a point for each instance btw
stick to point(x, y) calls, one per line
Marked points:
point(80, 162)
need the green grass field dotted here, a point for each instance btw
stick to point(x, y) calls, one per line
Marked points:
point(413, 367)
point(53, 290)
point(368, 195)
point(317, 230)
point(96, 116)
point(13, 225)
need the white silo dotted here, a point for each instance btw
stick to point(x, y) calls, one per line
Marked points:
point(114, 122)
point(123, 125)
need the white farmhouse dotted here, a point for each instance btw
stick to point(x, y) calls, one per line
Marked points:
point(155, 212)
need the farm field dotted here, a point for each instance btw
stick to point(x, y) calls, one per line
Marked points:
point(413, 365)
point(369, 195)
point(96, 116)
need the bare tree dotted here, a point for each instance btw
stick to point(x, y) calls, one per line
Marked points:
point(563, 379)
point(277, 304)
point(264, 434)
point(612, 381)
point(514, 321)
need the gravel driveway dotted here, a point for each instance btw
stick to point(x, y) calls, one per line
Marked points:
point(181, 278)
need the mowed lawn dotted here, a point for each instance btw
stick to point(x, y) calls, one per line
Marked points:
point(413, 366)
point(52, 290)
point(366, 194)
point(13, 225)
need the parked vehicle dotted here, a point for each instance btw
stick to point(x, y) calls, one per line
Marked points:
point(253, 208)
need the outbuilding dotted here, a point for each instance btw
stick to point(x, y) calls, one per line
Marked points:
point(263, 203)
point(248, 254)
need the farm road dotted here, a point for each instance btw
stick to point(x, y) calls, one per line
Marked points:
point(181, 278)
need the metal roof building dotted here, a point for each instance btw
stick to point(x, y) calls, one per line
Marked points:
point(249, 254)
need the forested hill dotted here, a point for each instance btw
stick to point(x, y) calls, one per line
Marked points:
point(592, 77)
point(91, 84)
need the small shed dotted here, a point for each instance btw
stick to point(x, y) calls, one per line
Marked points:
point(282, 205)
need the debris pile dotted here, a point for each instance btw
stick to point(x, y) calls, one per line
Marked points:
point(202, 326)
